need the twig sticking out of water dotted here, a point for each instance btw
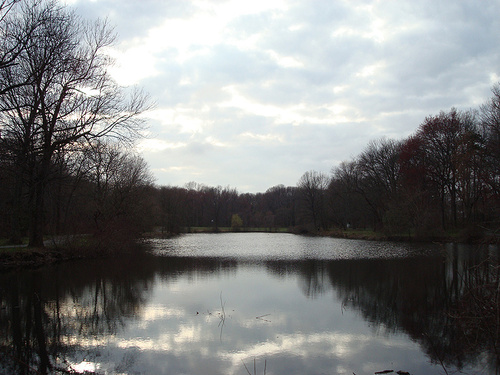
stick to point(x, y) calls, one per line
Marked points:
point(222, 316)
point(222, 307)
point(246, 368)
point(261, 317)
point(254, 367)
point(436, 353)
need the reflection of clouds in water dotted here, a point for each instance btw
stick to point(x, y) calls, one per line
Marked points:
point(274, 319)
point(179, 341)
point(85, 367)
point(326, 350)
point(290, 334)
point(161, 343)
point(154, 312)
point(318, 316)
point(188, 334)
point(316, 345)
point(185, 339)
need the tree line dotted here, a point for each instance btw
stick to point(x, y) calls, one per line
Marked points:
point(67, 165)
point(444, 178)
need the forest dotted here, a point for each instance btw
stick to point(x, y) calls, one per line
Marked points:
point(441, 181)
point(67, 164)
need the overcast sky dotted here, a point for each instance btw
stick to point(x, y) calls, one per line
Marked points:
point(252, 94)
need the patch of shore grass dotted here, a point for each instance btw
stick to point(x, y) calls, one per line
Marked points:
point(357, 234)
point(64, 248)
point(7, 247)
point(11, 249)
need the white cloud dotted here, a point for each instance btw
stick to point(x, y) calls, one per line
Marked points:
point(155, 145)
point(268, 78)
point(285, 61)
point(262, 137)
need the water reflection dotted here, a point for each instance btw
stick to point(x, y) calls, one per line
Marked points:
point(47, 314)
point(210, 315)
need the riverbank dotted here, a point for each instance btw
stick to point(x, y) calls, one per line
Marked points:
point(23, 257)
point(20, 256)
point(464, 236)
point(456, 237)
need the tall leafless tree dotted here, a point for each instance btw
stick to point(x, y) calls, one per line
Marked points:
point(378, 169)
point(61, 96)
point(490, 121)
point(118, 179)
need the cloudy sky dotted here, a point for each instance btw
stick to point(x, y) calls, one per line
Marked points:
point(252, 94)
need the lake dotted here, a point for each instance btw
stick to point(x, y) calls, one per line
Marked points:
point(251, 303)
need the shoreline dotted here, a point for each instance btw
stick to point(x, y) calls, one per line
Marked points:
point(21, 257)
point(31, 258)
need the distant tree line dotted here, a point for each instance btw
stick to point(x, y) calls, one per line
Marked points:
point(197, 205)
point(66, 165)
point(444, 178)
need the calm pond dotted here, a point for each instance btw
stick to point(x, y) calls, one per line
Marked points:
point(248, 303)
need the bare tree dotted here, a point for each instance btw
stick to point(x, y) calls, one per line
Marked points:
point(118, 180)
point(61, 97)
point(280, 201)
point(490, 121)
point(173, 208)
point(15, 35)
point(8, 52)
point(312, 187)
point(451, 144)
point(348, 207)
point(379, 176)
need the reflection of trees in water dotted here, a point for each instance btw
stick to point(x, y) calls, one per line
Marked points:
point(23, 313)
point(48, 315)
point(477, 311)
point(314, 278)
point(410, 295)
point(43, 311)
point(450, 306)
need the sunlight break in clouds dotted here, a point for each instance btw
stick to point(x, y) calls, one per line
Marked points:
point(326, 76)
point(156, 145)
point(263, 137)
point(186, 37)
point(180, 119)
point(296, 114)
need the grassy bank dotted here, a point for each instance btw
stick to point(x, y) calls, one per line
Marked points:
point(64, 248)
point(444, 237)
point(358, 234)
point(355, 234)
point(21, 257)
point(77, 247)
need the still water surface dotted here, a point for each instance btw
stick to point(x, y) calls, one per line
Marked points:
point(245, 303)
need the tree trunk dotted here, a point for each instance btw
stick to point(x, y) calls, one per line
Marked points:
point(37, 202)
point(15, 220)
point(36, 217)
point(454, 202)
